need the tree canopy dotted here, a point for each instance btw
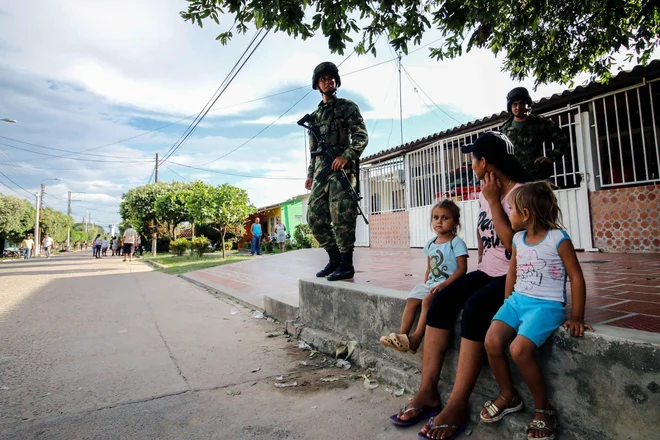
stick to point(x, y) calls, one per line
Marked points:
point(16, 217)
point(551, 41)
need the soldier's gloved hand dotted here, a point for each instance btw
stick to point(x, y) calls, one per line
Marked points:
point(308, 183)
point(543, 159)
point(339, 163)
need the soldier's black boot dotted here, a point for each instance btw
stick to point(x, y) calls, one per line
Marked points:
point(333, 264)
point(345, 271)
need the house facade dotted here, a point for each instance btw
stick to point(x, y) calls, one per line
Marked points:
point(608, 180)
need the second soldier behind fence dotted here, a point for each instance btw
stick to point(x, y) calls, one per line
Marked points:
point(529, 133)
point(332, 213)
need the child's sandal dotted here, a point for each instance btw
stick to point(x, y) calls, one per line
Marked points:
point(496, 413)
point(540, 425)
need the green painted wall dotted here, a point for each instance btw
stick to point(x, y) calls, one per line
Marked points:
point(292, 215)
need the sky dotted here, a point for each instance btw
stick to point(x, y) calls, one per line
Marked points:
point(101, 78)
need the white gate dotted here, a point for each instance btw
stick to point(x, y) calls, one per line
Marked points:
point(570, 175)
point(361, 228)
point(440, 170)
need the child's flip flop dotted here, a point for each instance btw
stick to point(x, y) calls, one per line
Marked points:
point(458, 432)
point(398, 342)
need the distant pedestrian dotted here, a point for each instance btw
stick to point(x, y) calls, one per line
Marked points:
point(256, 237)
point(130, 240)
point(280, 231)
point(98, 243)
point(47, 244)
point(27, 244)
point(104, 246)
point(113, 245)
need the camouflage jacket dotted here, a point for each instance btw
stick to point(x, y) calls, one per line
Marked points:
point(342, 124)
point(529, 144)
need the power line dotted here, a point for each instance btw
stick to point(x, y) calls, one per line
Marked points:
point(226, 83)
point(19, 186)
point(259, 133)
point(187, 180)
point(430, 99)
point(235, 174)
point(66, 151)
point(66, 158)
point(444, 121)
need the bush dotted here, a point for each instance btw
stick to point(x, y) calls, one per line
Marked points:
point(200, 245)
point(162, 244)
point(247, 245)
point(267, 247)
point(180, 246)
point(288, 246)
point(304, 238)
point(228, 245)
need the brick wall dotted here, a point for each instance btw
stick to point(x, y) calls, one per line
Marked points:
point(626, 219)
point(389, 230)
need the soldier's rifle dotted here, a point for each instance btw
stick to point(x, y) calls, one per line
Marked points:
point(328, 153)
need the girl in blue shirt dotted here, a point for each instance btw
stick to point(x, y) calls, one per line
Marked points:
point(447, 258)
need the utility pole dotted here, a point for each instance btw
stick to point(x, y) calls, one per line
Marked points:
point(37, 232)
point(85, 220)
point(36, 225)
point(400, 101)
point(68, 231)
point(154, 235)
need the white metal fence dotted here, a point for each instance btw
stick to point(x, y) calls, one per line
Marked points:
point(625, 124)
point(383, 186)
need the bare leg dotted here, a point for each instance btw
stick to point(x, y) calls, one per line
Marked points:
point(436, 344)
point(523, 354)
point(416, 338)
point(408, 317)
point(456, 411)
point(497, 339)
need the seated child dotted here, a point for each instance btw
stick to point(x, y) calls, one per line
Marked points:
point(542, 257)
point(447, 261)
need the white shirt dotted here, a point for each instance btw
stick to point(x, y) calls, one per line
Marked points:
point(47, 242)
point(98, 241)
point(540, 270)
point(29, 243)
point(104, 243)
point(130, 236)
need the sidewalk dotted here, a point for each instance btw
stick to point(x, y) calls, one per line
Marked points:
point(623, 290)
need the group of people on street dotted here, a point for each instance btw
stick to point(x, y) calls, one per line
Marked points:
point(514, 299)
point(28, 248)
point(258, 236)
point(127, 245)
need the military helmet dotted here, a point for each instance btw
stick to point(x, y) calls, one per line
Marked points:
point(325, 68)
point(517, 94)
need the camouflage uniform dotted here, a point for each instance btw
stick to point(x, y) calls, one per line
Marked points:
point(332, 213)
point(529, 140)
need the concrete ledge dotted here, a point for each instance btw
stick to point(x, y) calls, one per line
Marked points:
point(280, 310)
point(271, 306)
point(154, 264)
point(605, 385)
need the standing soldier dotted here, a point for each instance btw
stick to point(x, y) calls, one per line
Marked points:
point(528, 132)
point(332, 213)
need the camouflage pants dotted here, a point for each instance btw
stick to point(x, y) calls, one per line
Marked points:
point(332, 215)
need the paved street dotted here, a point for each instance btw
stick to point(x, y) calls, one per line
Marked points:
point(105, 349)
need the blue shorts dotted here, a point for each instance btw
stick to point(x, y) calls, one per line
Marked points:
point(532, 318)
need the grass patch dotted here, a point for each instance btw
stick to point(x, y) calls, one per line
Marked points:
point(187, 263)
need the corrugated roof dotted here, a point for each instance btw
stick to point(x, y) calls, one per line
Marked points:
point(569, 96)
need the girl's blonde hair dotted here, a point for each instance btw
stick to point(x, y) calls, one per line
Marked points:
point(453, 209)
point(540, 201)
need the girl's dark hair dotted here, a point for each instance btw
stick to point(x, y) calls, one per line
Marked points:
point(507, 164)
point(453, 209)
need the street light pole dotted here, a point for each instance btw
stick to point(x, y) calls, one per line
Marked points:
point(37, 234)
point(36, 226)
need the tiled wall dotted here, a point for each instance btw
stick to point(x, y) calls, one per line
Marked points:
point(626, 219)
point(389, 230)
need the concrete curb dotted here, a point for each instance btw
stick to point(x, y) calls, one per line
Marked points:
point(604, 385)
point(154, 264)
